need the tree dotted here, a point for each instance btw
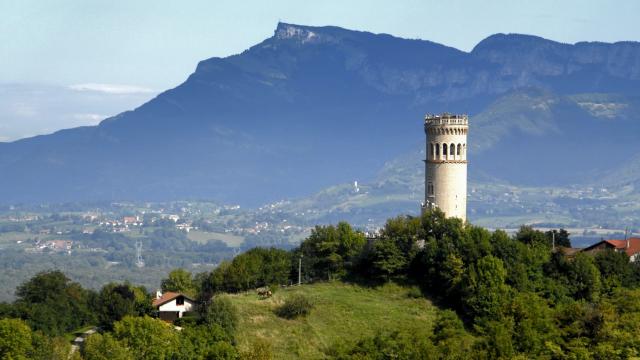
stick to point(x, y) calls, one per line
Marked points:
point(496, 342)
point(449, 336)
point(485, 289)
point(534, 324)
point(386, 259)
point(391, 345)
point(205, 342)
point(584, 277)
point(50, 302)
point(221, 312)
point(104, 347)
point(405, 231)
point(116, 301)
point(441, 262)
point(330, 251)
point(146, 338)
point(181, 281)
point(350, 242)
point(615, 268)
point(15, 339)
point(49, 348)
point(252, 269)
point(559, 237)
point(529, 236)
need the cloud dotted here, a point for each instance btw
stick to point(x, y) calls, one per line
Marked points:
point(23, 110)
point(88, 117)
point(115, 89)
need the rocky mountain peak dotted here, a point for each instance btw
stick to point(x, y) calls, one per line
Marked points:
point(302, 34)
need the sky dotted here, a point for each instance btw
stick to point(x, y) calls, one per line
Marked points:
point(66, 63)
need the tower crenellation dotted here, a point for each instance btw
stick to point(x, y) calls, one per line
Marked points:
point(446, 163)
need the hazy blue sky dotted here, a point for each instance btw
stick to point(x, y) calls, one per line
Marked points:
point(120, 53)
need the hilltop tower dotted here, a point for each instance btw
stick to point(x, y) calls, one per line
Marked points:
point(446, 164)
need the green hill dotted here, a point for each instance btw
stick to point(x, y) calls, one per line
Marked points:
point(342, 312)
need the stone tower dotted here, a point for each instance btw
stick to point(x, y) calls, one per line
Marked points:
point(446, 164)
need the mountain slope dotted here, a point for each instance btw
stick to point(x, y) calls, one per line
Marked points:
point(315, 106)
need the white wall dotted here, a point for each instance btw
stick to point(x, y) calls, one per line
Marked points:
point(171, 306)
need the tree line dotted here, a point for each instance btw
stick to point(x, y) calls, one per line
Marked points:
point(515, 296)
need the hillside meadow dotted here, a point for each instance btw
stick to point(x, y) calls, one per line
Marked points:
point(342, 312)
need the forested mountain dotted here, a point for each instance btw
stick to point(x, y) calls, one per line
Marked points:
point(311, 107)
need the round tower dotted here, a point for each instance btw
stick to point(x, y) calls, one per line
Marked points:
point(446, 164)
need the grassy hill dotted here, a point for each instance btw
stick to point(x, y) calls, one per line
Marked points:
point(342, 312)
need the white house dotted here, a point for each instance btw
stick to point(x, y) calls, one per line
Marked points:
point(172, 305)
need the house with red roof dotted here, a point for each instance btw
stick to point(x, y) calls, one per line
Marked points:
point(172, 305)
point(631, 247)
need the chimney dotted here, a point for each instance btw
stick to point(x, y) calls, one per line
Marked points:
point(626, 236)
point(158, 294)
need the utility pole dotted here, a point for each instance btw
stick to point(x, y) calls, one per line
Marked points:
point(626, 239)
point(300, 270)
point(139, 260)
point(553, 240)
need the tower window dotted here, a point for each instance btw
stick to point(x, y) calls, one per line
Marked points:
point(444, 149)
point(437, 149)
point(431, 150)
point(459, 149)
point(452, 149)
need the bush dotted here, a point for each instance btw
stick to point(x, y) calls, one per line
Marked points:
point(295, 306)
point(415, 293)
point(15, 338)
point(189, 319)
point(223, 313)
point(393, 345)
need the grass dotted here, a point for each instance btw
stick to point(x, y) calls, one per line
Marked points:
point(203, 237)
point(341, 312)
point(11, 237)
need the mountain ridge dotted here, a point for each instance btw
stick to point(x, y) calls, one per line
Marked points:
point(299, 112)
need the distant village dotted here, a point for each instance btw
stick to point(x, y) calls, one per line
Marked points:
point(52, 232)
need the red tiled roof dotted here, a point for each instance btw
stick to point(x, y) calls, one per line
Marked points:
point(634, 245)
point(168, 296)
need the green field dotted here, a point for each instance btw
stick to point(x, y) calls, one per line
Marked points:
point(516, 221)
point(342, 312)
point(12, 237)
point(203, 237)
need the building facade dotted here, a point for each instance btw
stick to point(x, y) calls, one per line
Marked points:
point(446, 164)
point(172, 306)
point(630, 246)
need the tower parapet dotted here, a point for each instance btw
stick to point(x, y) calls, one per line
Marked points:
point(446, 119)
point(446, 163)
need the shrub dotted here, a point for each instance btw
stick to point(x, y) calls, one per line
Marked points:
point(295, 306)
point(392, 345)
point(222, 312)
point(190, 318)
point(15, 338)
point(414, 293)
point(103, 347)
